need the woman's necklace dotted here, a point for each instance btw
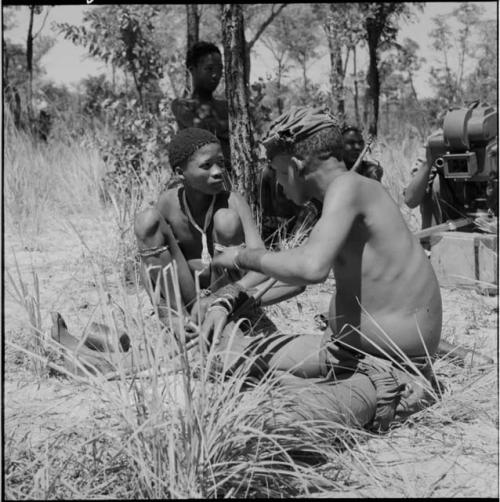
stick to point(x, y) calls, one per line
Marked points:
point(206, 259)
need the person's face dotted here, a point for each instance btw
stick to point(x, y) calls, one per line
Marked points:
point(207, 72)
point(353, 144)
point(287, 175)
point(204, 170)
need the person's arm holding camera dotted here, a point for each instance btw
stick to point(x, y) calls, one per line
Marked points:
point(416, 189)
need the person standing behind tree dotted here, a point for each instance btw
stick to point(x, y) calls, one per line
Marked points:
point(353, 146)
point(202, 109)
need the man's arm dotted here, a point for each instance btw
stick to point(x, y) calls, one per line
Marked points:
point(253, 240)
point(415, 191)
point(311, 262)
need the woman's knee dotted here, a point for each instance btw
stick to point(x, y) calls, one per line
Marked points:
point(227, 227)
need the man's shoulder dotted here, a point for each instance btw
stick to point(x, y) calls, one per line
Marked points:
point(346, 185)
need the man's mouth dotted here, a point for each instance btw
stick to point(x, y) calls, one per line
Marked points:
point(216, 184)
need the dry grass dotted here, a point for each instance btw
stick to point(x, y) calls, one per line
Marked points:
point(183, 435)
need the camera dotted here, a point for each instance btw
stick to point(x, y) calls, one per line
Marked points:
point(465, 154)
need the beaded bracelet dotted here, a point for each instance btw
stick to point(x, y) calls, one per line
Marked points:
point(147, 253)
point(231, 295)
point(225, 303)
point(212, 308)
point(235, 261)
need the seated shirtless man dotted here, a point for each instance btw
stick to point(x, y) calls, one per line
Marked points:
point(386, 312)
point(189, 222)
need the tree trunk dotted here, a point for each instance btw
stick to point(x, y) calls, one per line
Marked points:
point(373, 79)
point(278, 88)
point(29, 64)
point(303, 63)
point(356, 91)
point(422, 120)
point(243, 158)
point(113, 77)
point(336, 64)
point(249, 45)
point(193, 36)
point(193, 24)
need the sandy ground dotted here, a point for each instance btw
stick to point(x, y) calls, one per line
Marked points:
point(454, 456)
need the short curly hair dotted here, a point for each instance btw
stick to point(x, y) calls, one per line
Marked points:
point(199, 50)
point(186, 142)
point(303, 130)
point(328, 141)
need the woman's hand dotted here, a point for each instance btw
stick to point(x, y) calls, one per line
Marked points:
point(213, 325)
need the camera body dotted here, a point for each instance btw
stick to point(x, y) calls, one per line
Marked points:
point(465, 153)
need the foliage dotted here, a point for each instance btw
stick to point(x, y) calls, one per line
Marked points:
point(137, 144)
point(95, 90)
point(381, 27)
point(482, 83)
point(126, 43)
point(448, 76)
point(294, 41)
point(343, 27)
point(259, 110)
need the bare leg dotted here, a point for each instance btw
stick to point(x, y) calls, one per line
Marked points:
point(228, 230)
point(153, 232)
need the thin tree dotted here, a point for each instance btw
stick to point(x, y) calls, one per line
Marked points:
point(343, 26)
point(274, 42)
point(261, 28)
point(243, 158)
point(193, 36)
point(193, 24)
point(33, 10)
point(380, 27)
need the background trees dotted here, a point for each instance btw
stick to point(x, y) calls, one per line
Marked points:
point(357, 47)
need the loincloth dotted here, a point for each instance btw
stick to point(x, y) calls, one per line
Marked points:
point(403, 386)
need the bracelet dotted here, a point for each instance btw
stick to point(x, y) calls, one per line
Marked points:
point(146, 253)
point(217, 307)
point(235, 261)
point(234, 294)
point(205, 292)
point(223, 302)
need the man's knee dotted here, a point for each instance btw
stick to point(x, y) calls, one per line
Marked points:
point(227, 227)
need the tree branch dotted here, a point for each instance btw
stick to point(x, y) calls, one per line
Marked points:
point(43, 23)
point(265, 24)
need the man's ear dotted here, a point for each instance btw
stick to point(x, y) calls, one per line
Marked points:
point(298, 166)
point(179, 171)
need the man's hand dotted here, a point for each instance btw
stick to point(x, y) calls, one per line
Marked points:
point(226, 258)
point(213, 325)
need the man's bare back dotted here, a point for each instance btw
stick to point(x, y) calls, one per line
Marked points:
point(384, 282)
point(387, 297)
